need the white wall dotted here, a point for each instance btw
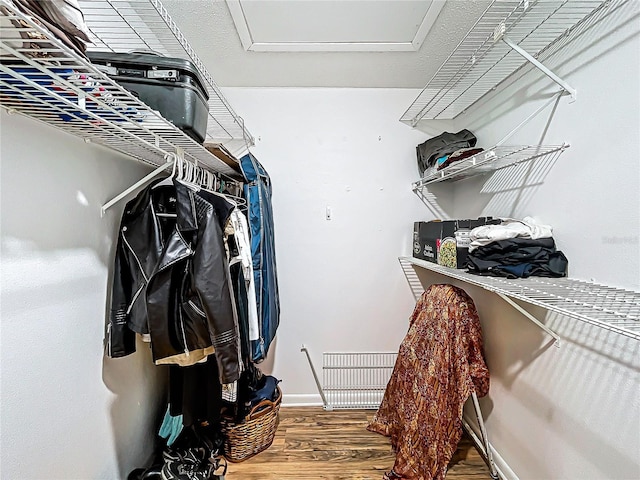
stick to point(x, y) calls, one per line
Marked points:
point(572, 412)
point(67, 411)
point(568, 413)
point(341, 287)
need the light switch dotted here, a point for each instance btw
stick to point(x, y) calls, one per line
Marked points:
point(328, 213)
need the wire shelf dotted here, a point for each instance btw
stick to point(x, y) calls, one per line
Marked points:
point(479, 63)
point(495, 158)
point(67, 92)
point(126, 25)
point(611, 308)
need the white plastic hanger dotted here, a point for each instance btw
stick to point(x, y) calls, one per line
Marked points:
point(169, 179)
point(171, 162)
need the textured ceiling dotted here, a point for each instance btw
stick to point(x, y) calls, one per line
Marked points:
point(208, 26)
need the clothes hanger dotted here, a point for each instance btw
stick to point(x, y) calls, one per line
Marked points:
point(208, 181)
point(188, 174)
point(239, 201)
point(169, 180)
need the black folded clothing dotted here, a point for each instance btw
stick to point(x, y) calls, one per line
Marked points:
point(444, 144)
point(518, 258)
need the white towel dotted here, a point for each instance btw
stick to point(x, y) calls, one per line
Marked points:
point(510, 228)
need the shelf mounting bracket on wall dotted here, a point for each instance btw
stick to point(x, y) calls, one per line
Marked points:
point(531, 317)
point(499, 34)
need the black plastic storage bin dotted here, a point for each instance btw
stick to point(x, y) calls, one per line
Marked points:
point(172, 86)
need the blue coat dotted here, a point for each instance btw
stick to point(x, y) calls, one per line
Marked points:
point(258, 194)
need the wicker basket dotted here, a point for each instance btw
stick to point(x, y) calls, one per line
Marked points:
point(255, 433)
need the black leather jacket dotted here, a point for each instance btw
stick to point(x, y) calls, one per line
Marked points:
point(171, 279)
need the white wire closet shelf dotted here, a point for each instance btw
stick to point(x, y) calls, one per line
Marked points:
point(490, 160)
point(610, 308)
point(56, 86)
point(127, 25)
point(484, 59)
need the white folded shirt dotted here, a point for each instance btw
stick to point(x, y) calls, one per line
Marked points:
point(510, 228)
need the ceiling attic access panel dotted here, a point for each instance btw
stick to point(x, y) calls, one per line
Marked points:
point(333, 26)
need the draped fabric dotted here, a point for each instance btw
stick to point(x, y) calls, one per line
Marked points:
point(439, 364)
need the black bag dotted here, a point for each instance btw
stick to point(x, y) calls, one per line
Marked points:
point(444, 144)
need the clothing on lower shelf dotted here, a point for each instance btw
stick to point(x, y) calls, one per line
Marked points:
point(518, 258)
point(509, 228)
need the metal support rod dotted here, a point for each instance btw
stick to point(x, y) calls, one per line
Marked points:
point(135, 186)
point(531, 317)
point(541, 67)
point(529, 118)
point(485, 438)
point(315, 377)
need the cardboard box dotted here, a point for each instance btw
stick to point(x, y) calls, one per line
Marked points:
point(446, 242)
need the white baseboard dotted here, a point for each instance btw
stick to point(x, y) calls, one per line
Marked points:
point(301, 400)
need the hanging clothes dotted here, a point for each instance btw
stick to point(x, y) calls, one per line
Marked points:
point(258, 194)
point(171, 280)
point(243, 243)
point(439, 364)
point(195, 393)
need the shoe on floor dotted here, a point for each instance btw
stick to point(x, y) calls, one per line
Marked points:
point(188, 465)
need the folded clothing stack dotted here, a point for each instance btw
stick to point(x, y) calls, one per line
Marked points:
point(436, 150)
point(515, 249)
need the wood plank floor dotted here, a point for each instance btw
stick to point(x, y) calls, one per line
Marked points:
point(312, 444)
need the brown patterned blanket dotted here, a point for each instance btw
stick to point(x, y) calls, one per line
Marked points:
point(439, 364)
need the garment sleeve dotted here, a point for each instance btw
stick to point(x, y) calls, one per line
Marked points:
point(244, 245)
point(120, 339)
point(212, 284)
